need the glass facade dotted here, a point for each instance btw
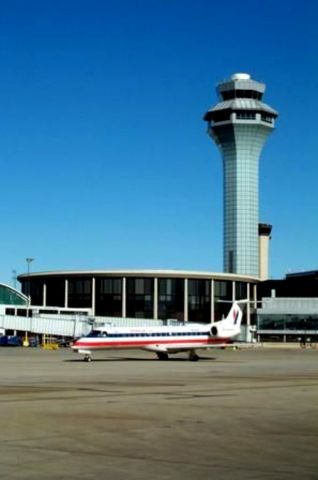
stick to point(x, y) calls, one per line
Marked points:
point(35, 290)
point(199, 301)
point(139, 296)
point(108, 297)
point(223, 296)
point(303, 323)
point(242, 115)
point(9, 296)
point(80, 292)
point(171, 298)
point(240, 290)
point(288, 327)
point(140, 300)
point(55, 291)
point(229, 94)
point(241, 145)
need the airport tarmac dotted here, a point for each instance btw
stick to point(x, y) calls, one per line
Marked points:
point(246, 414)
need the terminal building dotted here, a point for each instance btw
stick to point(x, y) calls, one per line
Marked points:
point(186, 296)
point(289, 307)
point(277, 310)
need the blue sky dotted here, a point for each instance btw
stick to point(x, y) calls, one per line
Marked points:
point(105, 160)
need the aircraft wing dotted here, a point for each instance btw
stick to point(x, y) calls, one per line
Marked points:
point(188, 348)
point(183, 348)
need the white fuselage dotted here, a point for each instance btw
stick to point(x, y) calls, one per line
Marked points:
point(153, 338)
point(165, 339)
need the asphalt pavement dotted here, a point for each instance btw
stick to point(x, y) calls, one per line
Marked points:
point(245, 414)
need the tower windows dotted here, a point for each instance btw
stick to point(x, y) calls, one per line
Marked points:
point(220, 116)
point(266, 118)
point(245, 115)
point(230, 94)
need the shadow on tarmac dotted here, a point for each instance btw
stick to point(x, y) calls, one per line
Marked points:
point(134, 359)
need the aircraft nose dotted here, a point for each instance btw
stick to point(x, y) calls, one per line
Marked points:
point(73, 344)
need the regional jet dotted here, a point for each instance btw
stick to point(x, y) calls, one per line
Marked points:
point(163, 340)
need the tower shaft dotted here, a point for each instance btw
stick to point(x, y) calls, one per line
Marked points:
point(240, 125)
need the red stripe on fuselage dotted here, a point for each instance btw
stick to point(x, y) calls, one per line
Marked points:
point(143, 343)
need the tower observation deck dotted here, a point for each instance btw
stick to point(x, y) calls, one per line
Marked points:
point(240, 124)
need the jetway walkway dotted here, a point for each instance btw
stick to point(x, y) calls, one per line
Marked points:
point(51, 325)
point(67, 325)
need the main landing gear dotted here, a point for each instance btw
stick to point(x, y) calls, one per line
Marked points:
point(87, 358)
point(193, 357)
point(162, 356)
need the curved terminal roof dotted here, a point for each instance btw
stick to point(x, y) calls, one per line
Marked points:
point(142, 273)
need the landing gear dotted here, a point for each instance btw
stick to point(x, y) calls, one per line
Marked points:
point(193, 357)
point(87, 358)
point(162, 356)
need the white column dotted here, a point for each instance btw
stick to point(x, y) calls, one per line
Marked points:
point(248, 314)
point(123, 309)
point(255, 307)
point(66, 294)
point(212, 301)
point(255, 295)
point(248, 309)
point(186, 304)
point(155, 298)
point(93, 295)
point(233, 291)
point(44, 295)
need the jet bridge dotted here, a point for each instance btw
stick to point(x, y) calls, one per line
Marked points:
point(73, 323)
point(45, 321)
point(62, 322)
point(54, 325)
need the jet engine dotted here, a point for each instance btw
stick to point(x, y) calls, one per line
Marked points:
point(214, 332)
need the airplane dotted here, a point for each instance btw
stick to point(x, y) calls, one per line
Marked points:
point(163, 340)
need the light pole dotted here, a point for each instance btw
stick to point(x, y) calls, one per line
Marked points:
point(29, 260)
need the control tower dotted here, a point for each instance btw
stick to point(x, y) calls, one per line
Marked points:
point(239, 124)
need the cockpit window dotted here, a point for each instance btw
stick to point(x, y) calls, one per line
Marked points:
point(97, 333)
